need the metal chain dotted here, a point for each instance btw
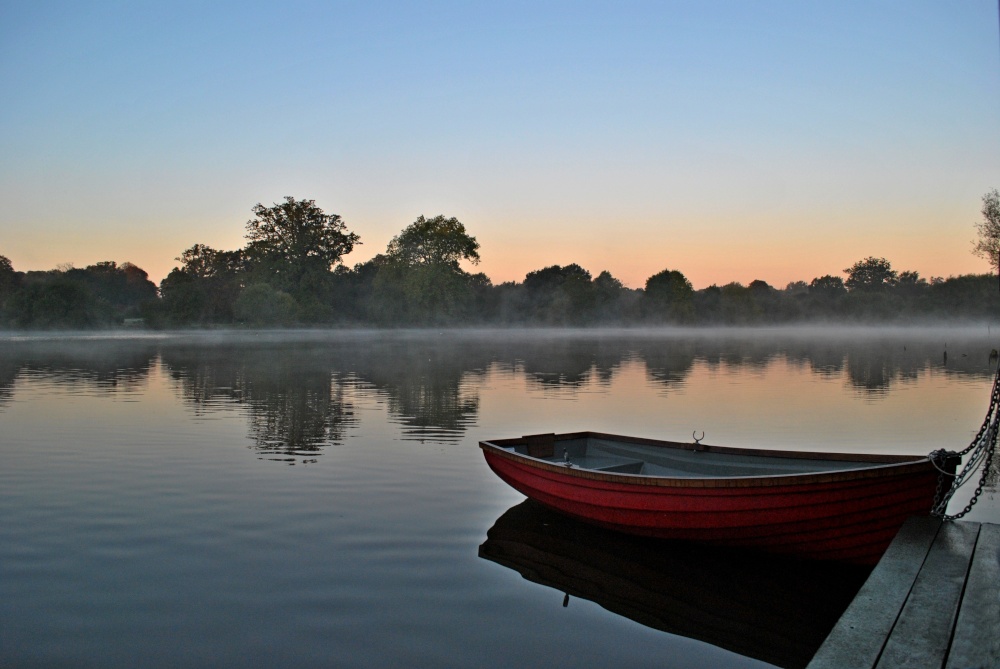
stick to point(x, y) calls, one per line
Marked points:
point(983, 447)
point(979, 488)
point(994, 401)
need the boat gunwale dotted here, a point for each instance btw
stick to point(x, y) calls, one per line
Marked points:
point(882, 465)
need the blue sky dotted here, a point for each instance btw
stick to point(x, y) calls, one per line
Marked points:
point(730, 140)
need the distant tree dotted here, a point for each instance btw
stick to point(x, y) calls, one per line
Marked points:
point(99, 295)
point(910, 283)
point(559, 294)
point(607, 286)
point(353, 289)
point(669, 294)
point(554, 276)
point(430, 294)
point(827, 286)
point(420, 280)
point(137, 278)
point(8, 277)
point(770, 304)
point(486, 297)
point(511, 303)
point(988, 244)
point(10, 281)
point(204, 289)
point(669, 286)
point(438, 240)
point(708, 304)
point(870, 275)
point(609, 297)
point(52, 300)
point(294, 245)
point(911, 295)
point(966, 296)
point(871, 294)
point(738, 303)
point(260, 304)
point(120, 291)
point(203, 262)
point(796, 288)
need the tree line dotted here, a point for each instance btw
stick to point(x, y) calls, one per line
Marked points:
point(291, 273)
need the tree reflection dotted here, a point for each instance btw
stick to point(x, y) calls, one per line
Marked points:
point(302, 397)
point(9, 369)
point(303, 393)
point(94, 365)
point(566, 363)
point(295, 412)
point(668, 364)
point(823, 358)
point(294, 400)
point(431, 384)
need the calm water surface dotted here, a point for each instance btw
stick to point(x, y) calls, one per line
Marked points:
point(319, 500)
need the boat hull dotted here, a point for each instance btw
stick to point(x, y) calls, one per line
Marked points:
point(849, 515)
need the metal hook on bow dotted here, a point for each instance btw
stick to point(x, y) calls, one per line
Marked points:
point(697, 439)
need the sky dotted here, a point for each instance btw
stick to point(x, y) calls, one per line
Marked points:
point(733, 141)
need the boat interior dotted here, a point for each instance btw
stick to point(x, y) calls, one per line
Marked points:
point(623, 457)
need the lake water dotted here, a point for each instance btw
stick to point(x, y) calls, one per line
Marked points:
point(320, 500)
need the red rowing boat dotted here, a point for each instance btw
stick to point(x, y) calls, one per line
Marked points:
point(829, 506)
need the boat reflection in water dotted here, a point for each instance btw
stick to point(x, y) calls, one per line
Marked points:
point(762, 606)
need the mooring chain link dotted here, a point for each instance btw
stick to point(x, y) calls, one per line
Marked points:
point(983, 447)
point(987, 463)
point(979, 488)
point(990, 419)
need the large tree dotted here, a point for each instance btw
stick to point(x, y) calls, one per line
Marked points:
point(124, 287)
point(988, 244)
point(8, 277)
point(559, 295)
point(827, 286)
point(52, 300)
point(555, 276)
point(871, 275)
point(420, 281)
point(607, 289)
point(669, 295)
point(433, 241)
point(295, 236)
point(203, 262)
point(9, 282)
point(668, 287)
point(204, 288)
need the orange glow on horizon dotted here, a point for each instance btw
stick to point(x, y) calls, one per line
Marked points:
point(774, 263)
point(707, 251)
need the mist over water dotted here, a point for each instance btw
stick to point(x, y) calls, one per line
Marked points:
point(153, 520)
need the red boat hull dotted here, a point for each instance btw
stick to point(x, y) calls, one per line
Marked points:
point(849, 515)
